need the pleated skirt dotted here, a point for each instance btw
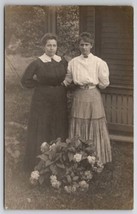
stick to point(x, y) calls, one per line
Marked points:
point(88, 121)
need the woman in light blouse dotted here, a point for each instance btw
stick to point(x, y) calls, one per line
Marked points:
point(88, 120)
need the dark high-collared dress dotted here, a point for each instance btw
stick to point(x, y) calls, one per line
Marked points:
point(48, 112)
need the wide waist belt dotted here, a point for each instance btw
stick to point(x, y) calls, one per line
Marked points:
point(88, 86)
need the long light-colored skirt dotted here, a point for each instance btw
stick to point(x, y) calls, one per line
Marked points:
point(88, 121)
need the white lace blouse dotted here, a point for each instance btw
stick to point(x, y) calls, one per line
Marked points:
point(83, 71)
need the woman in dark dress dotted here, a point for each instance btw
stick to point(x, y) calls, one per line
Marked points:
point(48, 114)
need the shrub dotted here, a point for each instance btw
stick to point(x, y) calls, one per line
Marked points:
point(68, 165)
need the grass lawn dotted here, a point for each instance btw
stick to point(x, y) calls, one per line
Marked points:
point(113, 189)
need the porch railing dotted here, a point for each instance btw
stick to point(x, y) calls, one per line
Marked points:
point(118, 103)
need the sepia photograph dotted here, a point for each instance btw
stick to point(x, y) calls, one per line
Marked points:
point(68, 107)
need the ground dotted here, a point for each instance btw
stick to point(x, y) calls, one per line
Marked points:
point(113, 189)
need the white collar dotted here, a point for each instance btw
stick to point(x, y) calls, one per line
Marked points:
point(45, 58)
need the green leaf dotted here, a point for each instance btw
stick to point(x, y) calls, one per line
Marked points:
point(75, 166)
point(53, 169)
point(52, 142)
point(70, 156)
point(43, 157)
point(90, 149)
point(52, 155)
point(63, 145)
point(69, 179)
point(60, 165)
point(68, 141)
point(89, 142)
point(44, 171)
point(39, 166)
point(41, 179)
point(72, 149)
point(48, 162)
point(64, 157)
point(75, 178)
point(78, 143)
point(58, 139)
point(72, 174)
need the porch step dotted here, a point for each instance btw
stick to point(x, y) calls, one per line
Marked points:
point(121, 138)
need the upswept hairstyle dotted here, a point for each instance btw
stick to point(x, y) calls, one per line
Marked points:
point(48, 36)
point(86, 37)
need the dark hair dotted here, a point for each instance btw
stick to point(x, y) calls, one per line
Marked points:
point(86, 37)
point(48, 36)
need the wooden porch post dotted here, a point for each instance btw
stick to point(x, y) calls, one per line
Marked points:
point(83, 18)
point(52, 19)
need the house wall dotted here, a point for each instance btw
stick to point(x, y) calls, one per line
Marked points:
point(113, 30)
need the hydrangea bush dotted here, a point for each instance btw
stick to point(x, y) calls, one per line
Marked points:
point(68, 165)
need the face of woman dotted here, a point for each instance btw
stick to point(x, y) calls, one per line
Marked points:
point(51, 47)
point(85, 47)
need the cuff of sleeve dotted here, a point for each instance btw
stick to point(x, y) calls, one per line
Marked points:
point(101, 86)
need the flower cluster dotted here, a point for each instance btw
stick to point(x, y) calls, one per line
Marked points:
point(54, 182)
point(68, 165)
point(44, 147)
point(91, 159)
point(34, 177)
point(77, 157)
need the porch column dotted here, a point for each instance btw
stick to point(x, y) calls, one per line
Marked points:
point(52, 19)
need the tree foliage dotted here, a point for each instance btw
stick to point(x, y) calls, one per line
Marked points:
point(27, 24)
point(68, 28)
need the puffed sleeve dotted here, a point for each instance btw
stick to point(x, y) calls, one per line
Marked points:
point(103, 75)
point(28, 79)
point(68, 78)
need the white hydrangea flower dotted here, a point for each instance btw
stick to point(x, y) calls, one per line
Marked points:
point(99, 164)
point(73, 188)
point(99, 170)
point(88, 175)
point(75, 184)
point(77, 157)
point(56, 184)
point(83, 184)
point(67, 189)
point(53, 177)
point(91, 159)
point(44, 147)
point(70, 189)
point(33, 181)
point(52, 146)
point(100, 167)
point(35, 175)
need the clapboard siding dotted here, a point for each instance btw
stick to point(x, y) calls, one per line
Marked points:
point(120, 62)
point(113, 30)
point(116, 47)
point(87, 20)
point(117, 43)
